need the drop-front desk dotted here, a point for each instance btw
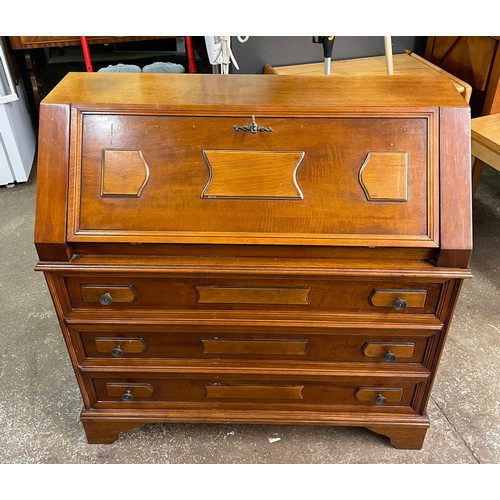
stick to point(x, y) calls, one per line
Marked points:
point(254, 249)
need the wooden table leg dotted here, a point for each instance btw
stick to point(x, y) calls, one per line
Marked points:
point(477, 170)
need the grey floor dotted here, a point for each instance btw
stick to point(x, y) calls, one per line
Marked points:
point(40, 401)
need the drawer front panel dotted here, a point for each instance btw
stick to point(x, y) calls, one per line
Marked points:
point(142, 342)
point(356, 391)
point(309, 295)
point(193, 179)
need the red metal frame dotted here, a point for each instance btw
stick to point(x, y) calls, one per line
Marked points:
point(190, 55)
point(86, 54)
point(90, 69)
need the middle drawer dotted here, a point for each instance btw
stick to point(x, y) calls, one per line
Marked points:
point(127, 342)
point(313, 295)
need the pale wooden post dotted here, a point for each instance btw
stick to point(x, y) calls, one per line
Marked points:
point(388, 54)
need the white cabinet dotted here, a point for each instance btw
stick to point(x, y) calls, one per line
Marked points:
point(17, 133)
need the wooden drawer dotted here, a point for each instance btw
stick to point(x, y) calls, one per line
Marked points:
point(120, 343)
point(127, 293)
point(366, 179)
point(360, 392)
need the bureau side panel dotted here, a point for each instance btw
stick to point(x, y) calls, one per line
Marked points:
point(52, 183)
point(455, 185)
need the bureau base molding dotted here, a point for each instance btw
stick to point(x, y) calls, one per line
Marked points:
point(404, 431)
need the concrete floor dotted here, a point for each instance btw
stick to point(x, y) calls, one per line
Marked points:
point(40, 401)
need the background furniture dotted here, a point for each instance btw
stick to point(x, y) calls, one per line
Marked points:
point(485, 132)
point(475, 59)
point(29, 45)
point(254, 249)
point(17, 133)
point(407, 63)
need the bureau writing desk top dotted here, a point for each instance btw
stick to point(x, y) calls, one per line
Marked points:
point(271, 249)
point(237, 98)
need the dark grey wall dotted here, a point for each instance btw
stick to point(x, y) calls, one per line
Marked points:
point(286, 50)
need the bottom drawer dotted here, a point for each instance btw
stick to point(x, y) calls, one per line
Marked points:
point(177, 390)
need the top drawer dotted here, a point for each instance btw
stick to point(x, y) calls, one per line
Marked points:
point(366, 179)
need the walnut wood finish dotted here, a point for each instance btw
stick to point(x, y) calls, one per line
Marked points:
point(304, 275)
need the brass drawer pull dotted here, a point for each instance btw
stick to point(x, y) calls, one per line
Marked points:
point(253, 128)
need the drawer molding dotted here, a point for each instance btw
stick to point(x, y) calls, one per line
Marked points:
point(288, 347)
point(379, 395)
point(213, 294)
point(117, 346)
point(288, 392)
point(388, 298)
point(129, 391)
point(113, 293)
point(389, 351)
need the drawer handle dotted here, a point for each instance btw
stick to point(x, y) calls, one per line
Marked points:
point(116, 352)
point(389, 351)
point(253, 128)
point(399, 304)
point(127, 395)
point(379, 395)
point(389, 356)
point(127, 392)
point(105, 299)
point(119, 346)
point(106, 294)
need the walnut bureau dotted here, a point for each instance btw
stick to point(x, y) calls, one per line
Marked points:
point(254, 248)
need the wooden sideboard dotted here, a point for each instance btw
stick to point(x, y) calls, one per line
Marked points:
point(254, 249)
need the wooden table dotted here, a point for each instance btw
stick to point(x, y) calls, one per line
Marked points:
point(485, 132)
point(407, 63)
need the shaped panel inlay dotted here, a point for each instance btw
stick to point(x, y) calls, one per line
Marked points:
point(123, 172)
point(254, 391)
point(210, 294)
point(384, 176)
point(252, 174)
